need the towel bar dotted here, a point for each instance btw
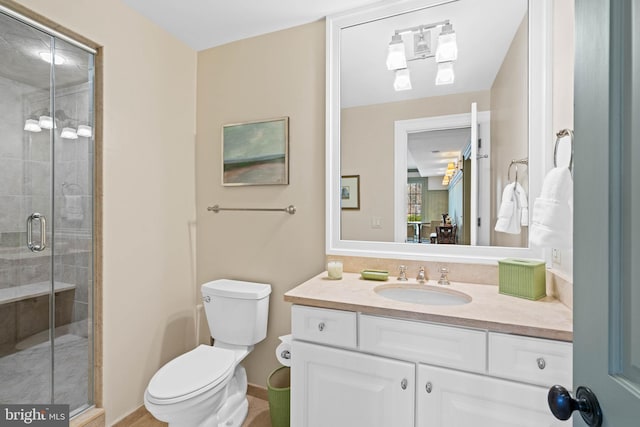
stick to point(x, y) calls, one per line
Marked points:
point(289, 209)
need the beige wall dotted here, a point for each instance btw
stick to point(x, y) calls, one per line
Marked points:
point(149, 192)
point(509, 129)
point(367, 149)
point(563, 57)
point(274, 75)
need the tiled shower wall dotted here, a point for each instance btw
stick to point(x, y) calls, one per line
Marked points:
point(25, 187)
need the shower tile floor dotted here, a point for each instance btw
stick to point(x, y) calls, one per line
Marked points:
point(25, 375)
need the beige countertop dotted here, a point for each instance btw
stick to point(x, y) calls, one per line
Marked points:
point(488, 309)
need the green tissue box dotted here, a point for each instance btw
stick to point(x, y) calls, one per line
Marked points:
point(522, 278)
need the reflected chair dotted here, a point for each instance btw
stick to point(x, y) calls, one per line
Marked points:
point(446, 234)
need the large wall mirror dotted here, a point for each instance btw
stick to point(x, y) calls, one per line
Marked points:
point(429, 105)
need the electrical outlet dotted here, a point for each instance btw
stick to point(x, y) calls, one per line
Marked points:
point(376, 222)
point(555, 256)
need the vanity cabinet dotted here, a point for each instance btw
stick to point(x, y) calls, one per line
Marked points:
point(356, 370)
point(334, 387)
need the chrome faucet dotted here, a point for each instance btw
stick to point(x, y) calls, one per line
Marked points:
point(444, 280)
point(421, 279)
point(403, 273)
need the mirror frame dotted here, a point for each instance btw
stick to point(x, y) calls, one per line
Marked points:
point(540, 132)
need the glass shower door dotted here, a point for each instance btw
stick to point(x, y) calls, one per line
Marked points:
point(46, 218)
point(26, 268)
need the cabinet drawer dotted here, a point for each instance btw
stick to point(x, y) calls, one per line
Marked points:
point(446, 346)
point(321, 325)
point(533, 360)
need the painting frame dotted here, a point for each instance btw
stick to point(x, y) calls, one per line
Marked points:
point(350, 192)
point(255, 153)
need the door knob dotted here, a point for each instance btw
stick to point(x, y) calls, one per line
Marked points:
point(562, 405)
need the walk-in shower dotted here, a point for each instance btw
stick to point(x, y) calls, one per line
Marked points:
point(46, 216)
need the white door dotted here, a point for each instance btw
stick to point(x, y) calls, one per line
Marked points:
point(447, 398)
point(607, 210)
point(340, 388)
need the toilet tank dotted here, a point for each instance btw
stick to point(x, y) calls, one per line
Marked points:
point(236, 311)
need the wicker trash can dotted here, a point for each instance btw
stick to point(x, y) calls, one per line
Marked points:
point(279, 393)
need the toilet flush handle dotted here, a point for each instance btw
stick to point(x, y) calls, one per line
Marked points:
point(206, 298)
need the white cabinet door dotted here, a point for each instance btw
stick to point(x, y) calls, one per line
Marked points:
point(340, 388)
point(449, 398)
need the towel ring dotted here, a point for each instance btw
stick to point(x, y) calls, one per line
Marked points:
point(516, 162)
point(559, 136)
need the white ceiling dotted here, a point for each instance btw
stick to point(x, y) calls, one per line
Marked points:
point(429, 152)
point(202, 24)
point(484, 31)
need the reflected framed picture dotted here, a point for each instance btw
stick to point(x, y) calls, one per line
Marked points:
point(256, 153)
point(350, 192)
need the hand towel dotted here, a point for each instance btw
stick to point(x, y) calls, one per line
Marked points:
point(514, 209)
point(552, 221)
point(73, 208)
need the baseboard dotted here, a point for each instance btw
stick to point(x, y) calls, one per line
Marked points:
point(132, 417)
point(253, 390)
point(257, 391)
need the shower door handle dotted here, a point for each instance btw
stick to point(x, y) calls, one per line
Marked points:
point(43, 232)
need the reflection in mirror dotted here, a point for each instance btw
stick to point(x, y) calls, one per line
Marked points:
point(433, 152)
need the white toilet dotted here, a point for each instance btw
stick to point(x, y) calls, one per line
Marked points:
point(207, 386)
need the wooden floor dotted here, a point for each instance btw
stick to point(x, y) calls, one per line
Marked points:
point(258, 416)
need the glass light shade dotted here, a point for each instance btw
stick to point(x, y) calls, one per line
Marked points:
point(46, 57)
point(46, 122)
point(447, 49)
point(445, 180)
point(402, 80)
point(31, 125)
point(85, 131)
point(69, 133)
point(396, 58)
point(445, 75)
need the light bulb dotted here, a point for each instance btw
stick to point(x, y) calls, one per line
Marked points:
point(85, 131)
point(402, 80)
point(69, 133)
point(31, 125)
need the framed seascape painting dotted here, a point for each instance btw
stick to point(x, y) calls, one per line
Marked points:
point(256, 153)
point(350, 192)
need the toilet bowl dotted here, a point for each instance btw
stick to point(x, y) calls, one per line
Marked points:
point(207, 386)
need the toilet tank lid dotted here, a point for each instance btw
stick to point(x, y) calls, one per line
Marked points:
point(236, 289)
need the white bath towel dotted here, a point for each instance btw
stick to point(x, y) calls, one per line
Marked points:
point(73, 208)
point(514, 209)
point(552, 221)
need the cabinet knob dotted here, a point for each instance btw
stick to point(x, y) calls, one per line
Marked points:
point(321, 326)
point(404, 383)
point(562, 405)
point(428, 387)
point(541, 363)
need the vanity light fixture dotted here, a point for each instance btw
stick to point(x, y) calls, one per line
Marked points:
point(396, 57)
point(84, 131)
point(69, 133)
point(445, 74)
point(446, 53)
point(447, 50)
point(31, 125)
point(46, 122)
point(445, 180)
point(402, 80)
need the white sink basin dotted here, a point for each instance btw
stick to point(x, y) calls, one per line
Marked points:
point(422, 294)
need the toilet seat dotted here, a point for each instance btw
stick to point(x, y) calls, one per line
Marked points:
point(193, 373)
